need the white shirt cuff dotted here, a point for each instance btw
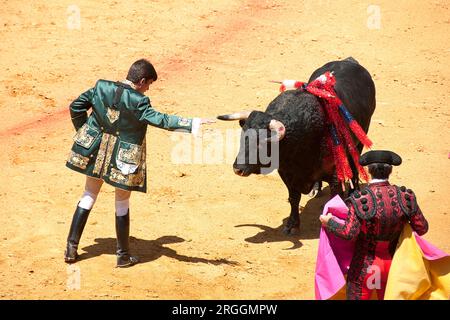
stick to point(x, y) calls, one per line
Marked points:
point(195, 126)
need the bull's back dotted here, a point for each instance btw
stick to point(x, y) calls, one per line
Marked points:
point(354, 86)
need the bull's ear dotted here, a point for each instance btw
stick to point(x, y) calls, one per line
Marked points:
point(279, 128)
point(241, 122)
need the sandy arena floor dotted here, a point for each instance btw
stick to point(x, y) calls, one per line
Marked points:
point(201, 231)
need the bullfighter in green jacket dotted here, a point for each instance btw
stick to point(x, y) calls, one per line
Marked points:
point(110, 146)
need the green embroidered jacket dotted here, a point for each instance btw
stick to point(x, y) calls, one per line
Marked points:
point(110, 142)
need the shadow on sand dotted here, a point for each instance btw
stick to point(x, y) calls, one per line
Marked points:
point(147, 250)
point(309, 224)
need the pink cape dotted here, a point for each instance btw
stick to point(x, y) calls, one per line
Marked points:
point(335, 254)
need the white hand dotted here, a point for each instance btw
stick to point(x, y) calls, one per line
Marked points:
point(325, 218)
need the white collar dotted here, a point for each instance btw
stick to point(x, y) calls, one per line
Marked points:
point(377, 180)
point(128, 82)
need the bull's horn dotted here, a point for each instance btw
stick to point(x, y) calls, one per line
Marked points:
point(279, 128)
point(235, 116)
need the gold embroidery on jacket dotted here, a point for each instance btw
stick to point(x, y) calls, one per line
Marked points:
point(131, 180)
point(109, 152)
point(131, 155)
point(78, 160)
point(101, 154)
point(117, 176)
point(143, 153)
point(112, 114)
point(86, 136)
point(142, 166)
point(134, 179)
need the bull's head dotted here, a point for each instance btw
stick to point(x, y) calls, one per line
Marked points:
point(258, 151)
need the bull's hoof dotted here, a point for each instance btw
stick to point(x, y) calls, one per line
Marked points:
point(291, 231)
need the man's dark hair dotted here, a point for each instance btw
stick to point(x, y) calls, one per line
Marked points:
point(380, 170)
point(141, 69)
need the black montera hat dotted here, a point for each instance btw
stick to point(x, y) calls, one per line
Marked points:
point(380, 156)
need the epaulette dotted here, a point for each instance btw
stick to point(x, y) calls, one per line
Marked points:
point(364, 202)
point(407, 201)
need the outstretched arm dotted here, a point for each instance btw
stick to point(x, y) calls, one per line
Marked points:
point(146, 113)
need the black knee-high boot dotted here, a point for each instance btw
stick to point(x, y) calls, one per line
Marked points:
point(124, 259)
point(76, 229)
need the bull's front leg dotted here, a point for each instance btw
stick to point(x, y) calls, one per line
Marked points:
point(293, 224)
point(316, 190)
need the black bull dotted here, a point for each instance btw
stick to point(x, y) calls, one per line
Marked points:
point(295, 124)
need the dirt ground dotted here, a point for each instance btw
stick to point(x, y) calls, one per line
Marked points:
point(201, 231)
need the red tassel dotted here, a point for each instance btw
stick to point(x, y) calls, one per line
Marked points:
point(323, 87)
point(298, 84)
point(318, 92)
point(355, 155)
point(338, 165)
point(342, 158)
point(360, 134)
point(363, 173)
